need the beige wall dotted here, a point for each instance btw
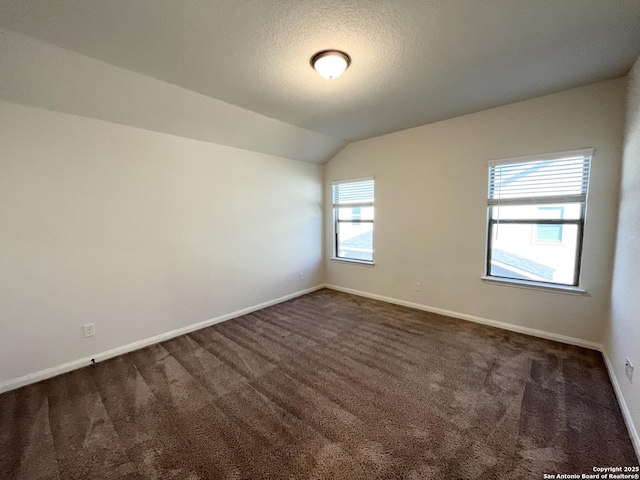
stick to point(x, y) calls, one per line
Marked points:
point(139, 232)
point(622, 338)
point(40, 75)
point(431, 185)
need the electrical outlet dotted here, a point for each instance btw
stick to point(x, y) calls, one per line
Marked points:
point(628, 370)
point(301, 276)
point(89, 329)
point(416, 287)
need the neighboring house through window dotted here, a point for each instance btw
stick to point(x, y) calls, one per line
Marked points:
point(353, 208)
point(549, 233)
point(536, 211)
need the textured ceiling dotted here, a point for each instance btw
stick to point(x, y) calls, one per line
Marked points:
point(414, 61)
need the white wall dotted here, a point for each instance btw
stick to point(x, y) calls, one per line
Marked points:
point(140, 232)
point(40, 75)
point(622, 338)
point(431, 187)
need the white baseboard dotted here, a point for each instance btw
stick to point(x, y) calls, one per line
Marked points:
point(472, 318)
point(83, 362)
point(631, 427)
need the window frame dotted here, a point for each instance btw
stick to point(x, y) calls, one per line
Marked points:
point(540, 201)
point(579, 240)
point(337, 221)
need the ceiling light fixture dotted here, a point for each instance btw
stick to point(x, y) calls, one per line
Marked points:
point(330, 64)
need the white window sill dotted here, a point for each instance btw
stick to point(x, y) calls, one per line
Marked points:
point(510, 282)
point(364, 263)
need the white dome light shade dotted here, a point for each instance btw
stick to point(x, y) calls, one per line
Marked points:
point(330, 64)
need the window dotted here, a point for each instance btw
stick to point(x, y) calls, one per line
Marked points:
point(353, 220)
point(356, 214)
point(549, 233)
point(536, 211)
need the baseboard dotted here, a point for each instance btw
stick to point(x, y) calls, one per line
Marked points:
point(626, 414)
point(472, 318)
point(83, 362)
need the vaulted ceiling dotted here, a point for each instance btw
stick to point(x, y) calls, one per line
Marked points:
point(414, 61)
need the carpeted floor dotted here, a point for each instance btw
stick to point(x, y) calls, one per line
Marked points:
point(327, 385)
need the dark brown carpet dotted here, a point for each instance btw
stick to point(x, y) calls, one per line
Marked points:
point(327, 385)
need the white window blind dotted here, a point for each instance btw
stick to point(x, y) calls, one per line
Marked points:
point(353, 193)
point(546, 179)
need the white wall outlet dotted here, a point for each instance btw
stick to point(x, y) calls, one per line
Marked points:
point(301, 276)
point(628, 370)
point(417, 287)
point(89, 329)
